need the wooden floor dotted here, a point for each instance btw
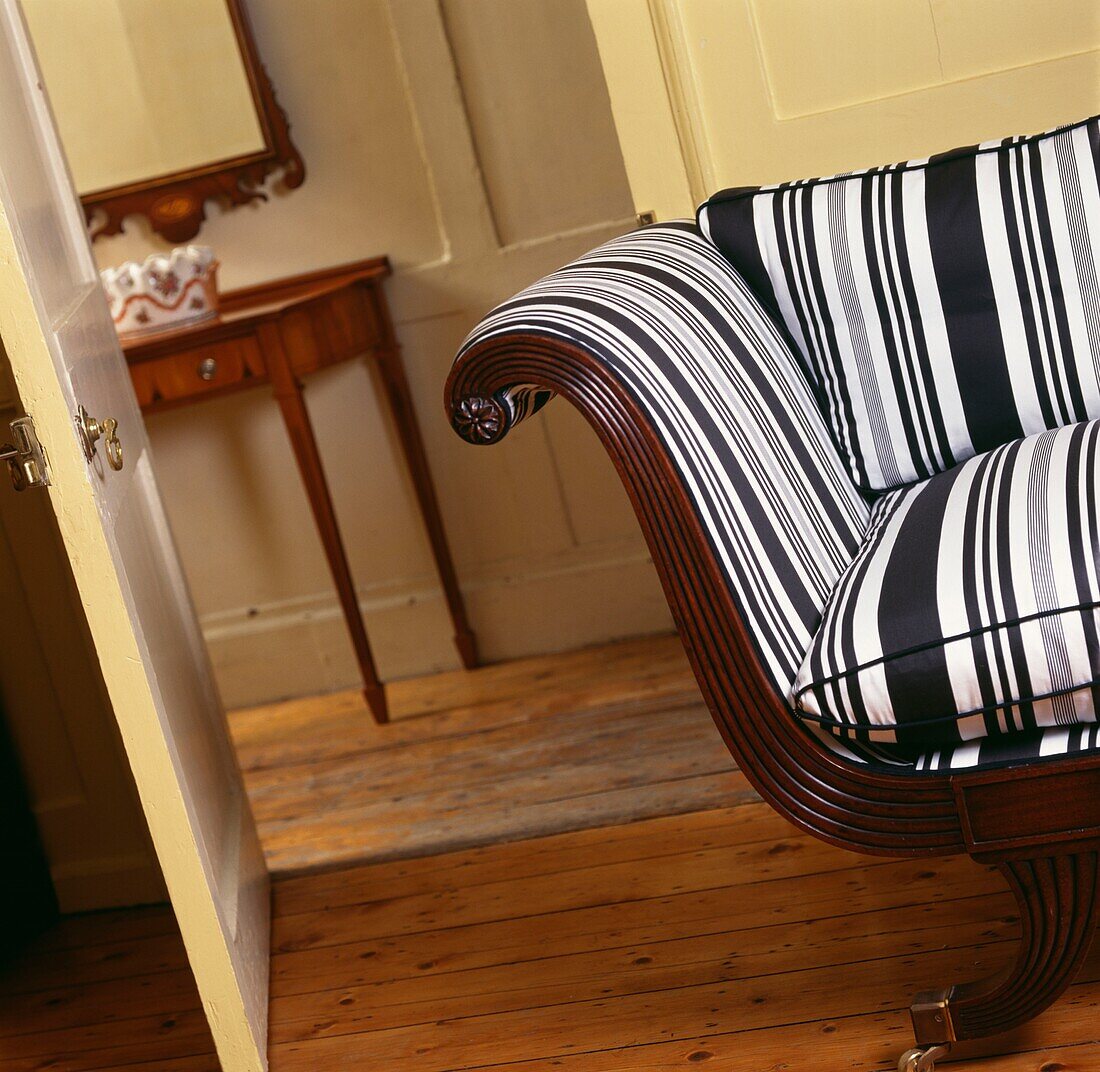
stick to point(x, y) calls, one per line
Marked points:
point(529, 748)
point(716, 939)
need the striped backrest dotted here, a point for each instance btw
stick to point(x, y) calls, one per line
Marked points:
point(680, 330)
point(942, 306)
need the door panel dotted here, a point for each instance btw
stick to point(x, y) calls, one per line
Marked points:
point(763, 91)
point(63, 352)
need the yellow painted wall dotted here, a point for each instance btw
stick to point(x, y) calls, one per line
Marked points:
point(471, 140)
point(761, 91)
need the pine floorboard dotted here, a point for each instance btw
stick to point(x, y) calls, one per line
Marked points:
point(520, 750)
point(717, 938)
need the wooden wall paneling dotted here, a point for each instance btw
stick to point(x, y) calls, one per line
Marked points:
point(518, 103)
point(764, 92)
point(531, 491)
point(598, 512)
point(648, 129)
point(762, 124)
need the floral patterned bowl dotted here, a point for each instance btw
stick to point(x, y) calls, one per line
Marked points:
point(164, 291)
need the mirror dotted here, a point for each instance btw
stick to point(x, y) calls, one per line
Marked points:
point(160, 107)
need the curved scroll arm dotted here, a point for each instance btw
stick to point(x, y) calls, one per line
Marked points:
point(865, 808)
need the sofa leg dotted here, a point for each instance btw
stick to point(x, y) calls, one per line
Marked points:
point(1057, 896)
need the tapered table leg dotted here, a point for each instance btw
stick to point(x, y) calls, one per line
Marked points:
point(288, 393)
point(399, 397)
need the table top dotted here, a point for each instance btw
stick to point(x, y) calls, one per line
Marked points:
point(242, 308)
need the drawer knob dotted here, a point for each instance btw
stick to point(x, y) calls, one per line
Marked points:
point(207, 368)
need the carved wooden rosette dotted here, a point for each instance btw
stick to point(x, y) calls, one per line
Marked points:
point(480, 420)
point(866, 809)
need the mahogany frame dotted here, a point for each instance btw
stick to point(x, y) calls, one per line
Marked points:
point(175, 203)
point(1038, 823)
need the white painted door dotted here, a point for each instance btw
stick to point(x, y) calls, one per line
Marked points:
point(59, 339)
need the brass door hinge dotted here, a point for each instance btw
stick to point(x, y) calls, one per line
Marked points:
point(27, 461)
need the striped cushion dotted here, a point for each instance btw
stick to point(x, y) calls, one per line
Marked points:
point(973, 607)
point(942, 306)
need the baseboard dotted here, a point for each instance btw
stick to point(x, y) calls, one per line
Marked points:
point(299, 647)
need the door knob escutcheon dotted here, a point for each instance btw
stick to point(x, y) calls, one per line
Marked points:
point(92, 430)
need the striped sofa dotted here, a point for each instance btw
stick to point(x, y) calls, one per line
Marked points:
point(859, 420)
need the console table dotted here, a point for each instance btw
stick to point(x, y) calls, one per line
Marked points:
point(275, 333)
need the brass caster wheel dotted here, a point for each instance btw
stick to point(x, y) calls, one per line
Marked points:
point(921, 1060)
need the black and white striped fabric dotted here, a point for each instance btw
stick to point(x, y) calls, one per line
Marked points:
point(684, 334)
point(942, 306)
point(973, 608)
point(985, 753)
point(523, 400)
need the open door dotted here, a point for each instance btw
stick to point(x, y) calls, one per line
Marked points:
point(61, 344)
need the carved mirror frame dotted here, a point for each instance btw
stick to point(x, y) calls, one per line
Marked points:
point(175, 203)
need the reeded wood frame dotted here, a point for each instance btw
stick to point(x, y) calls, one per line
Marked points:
point(1040, 823)
point(175, 203)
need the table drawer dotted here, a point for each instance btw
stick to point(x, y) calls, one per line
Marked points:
point(194, 373)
